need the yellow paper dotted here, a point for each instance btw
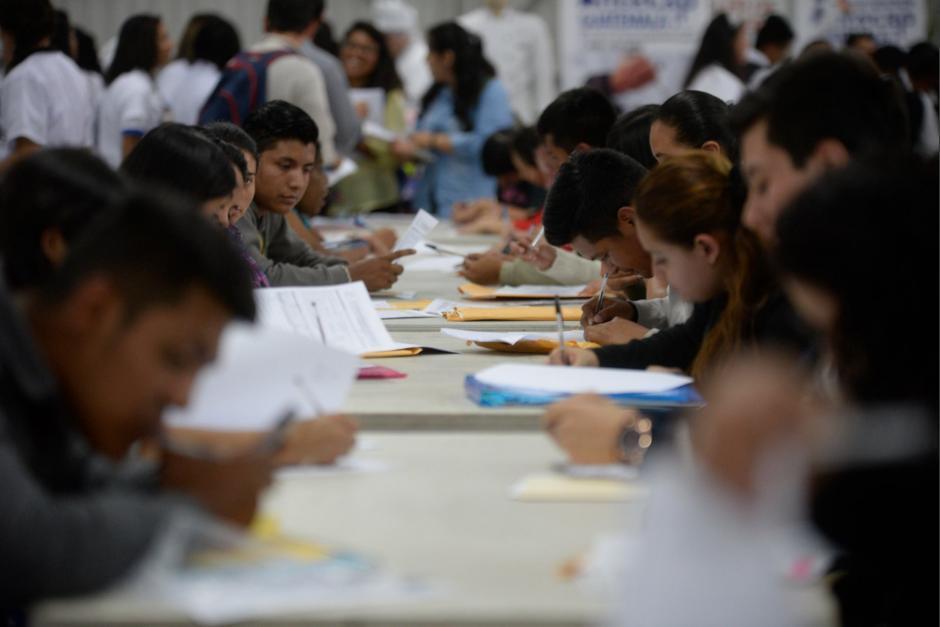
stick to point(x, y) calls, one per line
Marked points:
point(472, 291)
point(409, 304)
point(538, 313)
point(558, 488)
point(404, 352)
point(532, 347)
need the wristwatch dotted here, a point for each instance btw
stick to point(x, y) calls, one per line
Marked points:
point(635, 439)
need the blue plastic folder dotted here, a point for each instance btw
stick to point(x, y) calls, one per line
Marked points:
point(500, 394)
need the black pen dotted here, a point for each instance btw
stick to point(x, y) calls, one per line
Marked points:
point(442, 250)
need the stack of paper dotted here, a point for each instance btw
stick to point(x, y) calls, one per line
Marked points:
point(262, 373)
point(340, 316)
point(541, 313)
point(520, 342)
point(524, 384)
point(482, 292)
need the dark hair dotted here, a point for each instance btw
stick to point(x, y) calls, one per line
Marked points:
point(325, 40)
point(827, 237)
point(826, 95)
point(62, 189)
point(698, 117)
point(630, 135)
point(890, 60)
point(717, 46)
point(471, 69)
point(589, 189)
point(853, 38)
point(232, 152)
point(697, 193)
point(775, 31)
point(216, 41)
point(234, 135)
point(277, 120)
point(181, 159)
point(87, 57)
point(136, 47)
point(155, 247)
point(184, 50)
point(923, 62)
point(384, 75)
point(293, 16)
point(576, 116)
point(496, 154)
point(525, 140)
point(29, 22)
point(61, 32)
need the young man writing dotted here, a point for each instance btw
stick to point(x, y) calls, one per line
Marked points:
point(286, 138)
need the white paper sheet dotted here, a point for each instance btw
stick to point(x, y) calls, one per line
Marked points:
point(403, 314)
point(421, 226)
point(424, 263)
point(340, 316)
point(377, 131)
point(510, 337)
point(373, 98)
point(347, 167)
point(350, 465)
point(261, 373)
point(562, 291)
point(566, 380)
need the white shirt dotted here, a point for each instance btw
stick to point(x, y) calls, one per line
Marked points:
point(131, 106)
point(714, 79)
point(186, 86)
point(296, 79)
point(520, 48)
point(48, 100)
point(412, 66)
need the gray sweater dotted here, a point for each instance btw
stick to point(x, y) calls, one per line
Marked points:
point(283, 256)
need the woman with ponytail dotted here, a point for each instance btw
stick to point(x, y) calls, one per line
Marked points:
point(688, 217)
point(45, 99)
point(465, 105)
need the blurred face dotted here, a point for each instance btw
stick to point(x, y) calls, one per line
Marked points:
point(772, 182)
point(359, 55)
point(315, 198)
point(622, 252)
point(692, 272)
point(217, 210)
point(244, 191)
point(528, 173)
point(441, 65)
point(815, 305)
point(119, 375)
point(283, 175)
point(164, 46)
point(663, 142)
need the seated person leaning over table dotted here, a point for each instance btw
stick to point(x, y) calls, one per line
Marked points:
point(591, 207)
point(578, 119)
point(87, 365)
point(286, 139)
point(40, 228)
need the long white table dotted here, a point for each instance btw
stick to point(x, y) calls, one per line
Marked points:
point(441, 512)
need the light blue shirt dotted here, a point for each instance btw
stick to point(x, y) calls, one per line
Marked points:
point(459, 176)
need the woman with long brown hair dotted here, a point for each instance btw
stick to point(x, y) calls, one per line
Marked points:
point(688, 217)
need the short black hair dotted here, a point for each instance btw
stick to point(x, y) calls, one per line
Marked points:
point(524, 143)
point(699, 117)
point(630, 135)
point(589, 189)
point(136, 47)
point(293, 16)
point(29, 22)
point(827, 95)
point(232, 134)
point(87, 57)
point(216, 41)
point(179, 158)
point(923, 61)
point(497, 154)
point(156, 246)
point(60, 189)
point(775, 31)
point(276, 121)
point(576, 116)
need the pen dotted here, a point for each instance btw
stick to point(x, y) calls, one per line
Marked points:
point(561, 329)
point(600, 295)
point(274, 439)
point(538, 238)
point(442, 250)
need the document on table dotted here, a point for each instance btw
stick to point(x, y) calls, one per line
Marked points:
point(340, 316)
point(511, 338)
point(553, 487)
point(482, 292)
point(564, 380)
point(421, 226)
point(347, 465)
point(260, 374)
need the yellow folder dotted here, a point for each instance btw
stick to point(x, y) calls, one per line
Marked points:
point(537, 313)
